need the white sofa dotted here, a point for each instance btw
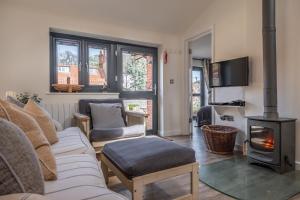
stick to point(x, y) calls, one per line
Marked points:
point(79, 175)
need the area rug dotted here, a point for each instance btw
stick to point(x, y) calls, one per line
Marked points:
point(236, 178)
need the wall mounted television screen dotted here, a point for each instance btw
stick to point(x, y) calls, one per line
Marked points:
point(229, 73)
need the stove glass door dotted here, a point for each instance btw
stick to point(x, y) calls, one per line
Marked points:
point(262, 138)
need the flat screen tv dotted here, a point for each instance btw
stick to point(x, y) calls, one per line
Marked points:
point(229, 73)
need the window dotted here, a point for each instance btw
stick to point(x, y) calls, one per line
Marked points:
point(97, 64)
point(110, 66)
point(67, 61)
point(137, 71)
point(197, 89)
point(86, 61)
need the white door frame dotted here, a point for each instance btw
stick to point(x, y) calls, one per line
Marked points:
point(188, 74)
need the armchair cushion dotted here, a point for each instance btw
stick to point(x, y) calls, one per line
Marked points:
point(107, 115)
point(85, 108)
point(98, 135)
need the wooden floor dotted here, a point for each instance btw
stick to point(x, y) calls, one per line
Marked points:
point(177, 186)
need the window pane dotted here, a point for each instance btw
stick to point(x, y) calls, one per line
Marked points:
point(97, 65)
point(137, 71)
point(196, 84)
point(196, 100)
point(143, 106)
point(67, 59)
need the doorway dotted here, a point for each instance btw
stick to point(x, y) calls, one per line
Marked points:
point(137, 72)
point(200, 59)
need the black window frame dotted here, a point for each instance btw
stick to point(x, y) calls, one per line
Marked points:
point(113, 78)
point(202, 90)
point(83, 59)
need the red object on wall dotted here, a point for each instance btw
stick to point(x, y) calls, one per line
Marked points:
point(165, 57)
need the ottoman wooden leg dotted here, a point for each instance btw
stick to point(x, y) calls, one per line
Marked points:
point(137, 190)
point(195, 182)
point(105, 171)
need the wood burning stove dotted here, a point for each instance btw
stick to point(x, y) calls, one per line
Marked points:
point(271, 139)
point(271, 142)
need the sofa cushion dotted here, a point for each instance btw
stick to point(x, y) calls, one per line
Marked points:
point(15, 101)
point(72, 141)
point(145, 155)
point(23, 196)
point(107, 115)
point(34, 133)
point(58, 125)
point(79, 177)
point(105, 134)
point(17, 156)
point(43, 119)
point(18, 103)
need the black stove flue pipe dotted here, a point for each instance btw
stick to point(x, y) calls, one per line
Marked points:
point(269, 59)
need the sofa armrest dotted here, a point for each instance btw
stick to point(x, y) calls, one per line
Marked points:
point(83, 122)
point(22, 196)
point(134, 118)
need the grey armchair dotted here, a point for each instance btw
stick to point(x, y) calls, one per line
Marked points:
point(135, 124)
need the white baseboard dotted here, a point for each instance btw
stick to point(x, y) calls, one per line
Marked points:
point(170, 133)
point(297, 165)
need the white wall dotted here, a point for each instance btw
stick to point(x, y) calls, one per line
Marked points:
point(238, 32)
point(228, 21)
point(24, 55)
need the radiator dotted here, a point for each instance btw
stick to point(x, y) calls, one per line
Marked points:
point(63, 112)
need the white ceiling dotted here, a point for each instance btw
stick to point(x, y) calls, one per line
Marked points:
point(169, 16)
point(201, 48)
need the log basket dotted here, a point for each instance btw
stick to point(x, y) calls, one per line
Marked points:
point(219, 139)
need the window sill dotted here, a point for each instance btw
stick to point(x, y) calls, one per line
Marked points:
point(83, 93)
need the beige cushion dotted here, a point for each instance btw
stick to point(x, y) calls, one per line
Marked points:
point(34, 133)
point(79, 177)
point(72, 141)
point(43, 119)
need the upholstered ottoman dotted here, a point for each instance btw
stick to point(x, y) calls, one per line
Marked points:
point(138, 162)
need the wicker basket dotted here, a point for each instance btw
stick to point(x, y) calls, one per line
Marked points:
point(219, 139)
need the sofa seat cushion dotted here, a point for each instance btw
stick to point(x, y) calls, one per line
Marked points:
point(145, 155)
point(72, 141)
point(23, 196)
point(79, 177)
point(105, 134)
